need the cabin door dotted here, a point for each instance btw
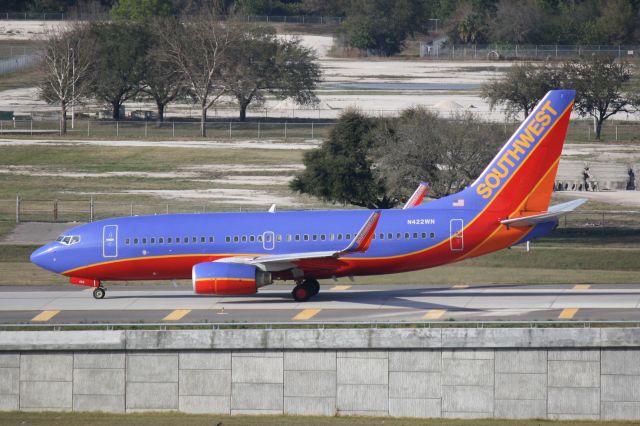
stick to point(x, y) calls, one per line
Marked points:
point(268, 240)
point(456, 241)
point(110, 241)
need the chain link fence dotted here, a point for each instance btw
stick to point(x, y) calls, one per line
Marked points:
point(444, 51)
point(93, 208)
point(170, 129)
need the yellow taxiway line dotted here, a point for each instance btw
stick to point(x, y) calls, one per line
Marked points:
point(581, 287)
point(306, 314)
point(434, 314)
point(176, 315)
point(45, 316)
point(340, 287)
point(568, 313)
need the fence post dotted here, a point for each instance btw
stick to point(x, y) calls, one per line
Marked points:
point(312, 130)
point(91, 213)
point(173, 127)
point(117, 128)
point(285, 130)
point(616, 132)
point(167, 208)
point(131, 210)
point(145, 129)
point(17, 209)
point(258, 130)
point(55, 210)
point(229, 130)
point(31, 127)
point(88, 128)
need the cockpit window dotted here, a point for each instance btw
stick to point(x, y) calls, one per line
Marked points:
point(68, 240)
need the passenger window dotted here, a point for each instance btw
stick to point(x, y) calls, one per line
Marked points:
point(185, 240)
point(339, 237)
point(398, 235)
point(323, 237)
point(227, 239)
point(381, 236)
point(390, 236)
point(135, 241)
point(279, 237)
point(432, 235)
point(297, 237)
point(144, 241)
point(244, 238)
point(252, 238)
point(169, 240)
point(177, 240)
point(332, 237)
point(194, 240)
point(347, 237)
point(211, 239)
point(315, 237)
point(415, 235)
point(289, 237)
point(236, 238)
point(203, 239)
point(161, 240)
point(424, 235)
point(127, 241)
point(152, 241)
point(306, 237)
point(259, 238)
point(407, 236)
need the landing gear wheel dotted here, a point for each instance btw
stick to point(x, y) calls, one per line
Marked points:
point(314, 285)
point(301, 293)
point(99, 292)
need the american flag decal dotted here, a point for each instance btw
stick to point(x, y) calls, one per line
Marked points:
point(458, 203)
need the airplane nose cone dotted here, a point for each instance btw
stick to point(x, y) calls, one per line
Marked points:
point(41, 256)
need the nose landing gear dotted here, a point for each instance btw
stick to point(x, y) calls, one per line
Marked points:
point(99, 292)
point(303, 291)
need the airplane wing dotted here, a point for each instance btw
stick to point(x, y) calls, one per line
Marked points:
point(552, 213)
point(418, 196)
point(279, 262)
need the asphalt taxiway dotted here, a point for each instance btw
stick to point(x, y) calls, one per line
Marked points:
point(335, 303)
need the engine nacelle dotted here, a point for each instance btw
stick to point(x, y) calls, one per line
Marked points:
point(228, 278)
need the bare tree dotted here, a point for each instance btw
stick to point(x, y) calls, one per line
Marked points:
point(68, 59)
point(198, 50)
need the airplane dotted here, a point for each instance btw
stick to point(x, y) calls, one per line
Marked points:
point(237, 253)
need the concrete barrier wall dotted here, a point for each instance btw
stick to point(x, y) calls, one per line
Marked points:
point(508, 373)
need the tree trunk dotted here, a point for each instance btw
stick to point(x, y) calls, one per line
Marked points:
point(116, 110)
point(160, 106)
point(598, 128)
point(63, 118)
point(243, 110)
point(203, 122)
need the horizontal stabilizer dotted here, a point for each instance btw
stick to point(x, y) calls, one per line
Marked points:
point(418, 196)
point(553, 213)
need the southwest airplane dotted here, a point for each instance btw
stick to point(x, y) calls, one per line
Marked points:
point(236, 253)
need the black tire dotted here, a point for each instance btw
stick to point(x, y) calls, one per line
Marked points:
point(314, 285)
point(99, 292)
point(301, 293)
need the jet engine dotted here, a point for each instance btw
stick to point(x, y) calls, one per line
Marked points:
point(228, 278)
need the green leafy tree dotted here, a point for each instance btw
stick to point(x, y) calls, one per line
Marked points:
point(340, 171)
point(260, 62)
point(522, 86)
point(141, 10)
point(602, 86)
point(119, 67)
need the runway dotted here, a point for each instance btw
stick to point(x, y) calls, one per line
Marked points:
point(335, 303)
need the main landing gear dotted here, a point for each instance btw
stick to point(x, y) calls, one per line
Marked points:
point(99, 292)
point(304, 290)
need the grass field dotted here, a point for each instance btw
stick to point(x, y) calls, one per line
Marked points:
point(171, 419)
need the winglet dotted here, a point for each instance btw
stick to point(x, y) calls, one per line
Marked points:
point(272, 209)
point(362, 240)
point(418, 196)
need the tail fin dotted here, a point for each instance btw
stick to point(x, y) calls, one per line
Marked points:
point(523, 172)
